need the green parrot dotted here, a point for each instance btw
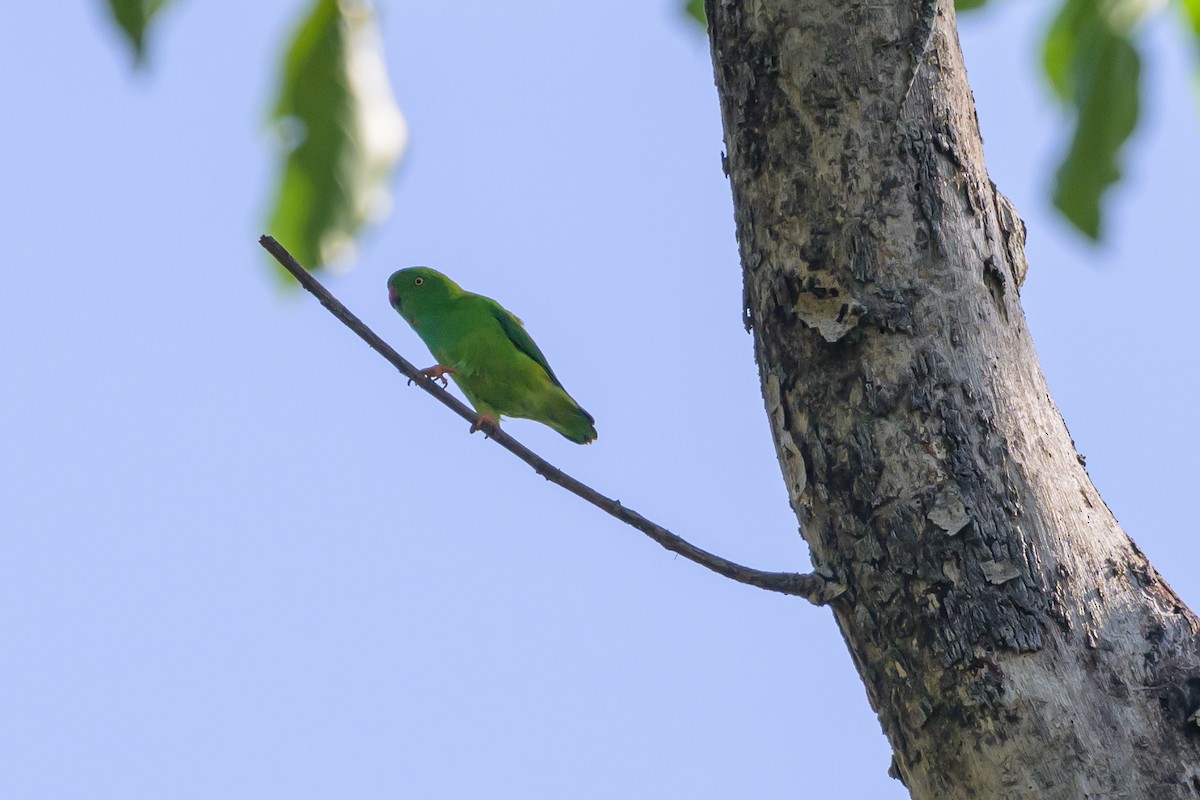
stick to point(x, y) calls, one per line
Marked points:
point(487, 352)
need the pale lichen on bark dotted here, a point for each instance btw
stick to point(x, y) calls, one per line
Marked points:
point(1013, 640)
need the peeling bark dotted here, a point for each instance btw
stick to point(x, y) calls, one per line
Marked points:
point(1013, 640)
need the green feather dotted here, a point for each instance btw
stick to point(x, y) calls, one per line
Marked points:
point(515, 330)
point(493, 359)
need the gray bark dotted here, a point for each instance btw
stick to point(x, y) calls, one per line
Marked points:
point(1012, 639)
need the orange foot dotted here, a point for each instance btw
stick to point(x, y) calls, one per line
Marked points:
point(437, 372)
point(486, 423)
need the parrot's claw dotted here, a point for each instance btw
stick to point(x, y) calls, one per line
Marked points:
point(486, 423)
point(437, 372)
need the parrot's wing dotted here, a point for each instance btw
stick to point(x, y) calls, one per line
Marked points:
point(515, 331)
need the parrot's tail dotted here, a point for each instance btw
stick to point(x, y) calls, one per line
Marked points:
point(574, 423)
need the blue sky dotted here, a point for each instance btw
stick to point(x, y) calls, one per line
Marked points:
point(240, 559)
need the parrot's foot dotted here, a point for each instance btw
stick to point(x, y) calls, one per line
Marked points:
point(486, 423)
point(437, 372)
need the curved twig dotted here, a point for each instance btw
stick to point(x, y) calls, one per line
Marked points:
point(815, 588)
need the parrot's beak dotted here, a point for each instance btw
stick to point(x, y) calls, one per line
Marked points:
point(394, 298)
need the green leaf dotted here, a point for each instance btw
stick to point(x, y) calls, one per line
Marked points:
point(133, 17)
point(695, 10)
point(1108, 110)
point(1061, 46)
point(341, 131)
point(1094, 69)
point(1192, 9)
point(968, 5)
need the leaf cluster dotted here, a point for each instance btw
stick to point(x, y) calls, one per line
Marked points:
point(1091, 60)
point(341, 134)
point(339, 131)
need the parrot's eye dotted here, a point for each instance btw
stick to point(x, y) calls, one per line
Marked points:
point(418, 281)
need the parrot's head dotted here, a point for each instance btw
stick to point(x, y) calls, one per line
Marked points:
point(417, 291)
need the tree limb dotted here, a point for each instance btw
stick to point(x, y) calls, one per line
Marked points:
point(815, 588)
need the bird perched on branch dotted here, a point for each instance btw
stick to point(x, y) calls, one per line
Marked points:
point(487, 352)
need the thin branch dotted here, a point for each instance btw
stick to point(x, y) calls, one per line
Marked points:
point(815, 588)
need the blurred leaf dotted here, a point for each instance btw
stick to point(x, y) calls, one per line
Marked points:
point(695, 10)
point(1060, 49)
point(1192, 9)
point(133, 16)
point(341, 131)
point(1093, 68)
point(968, 5)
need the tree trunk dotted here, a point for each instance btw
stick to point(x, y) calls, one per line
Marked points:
point(1012, 639)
